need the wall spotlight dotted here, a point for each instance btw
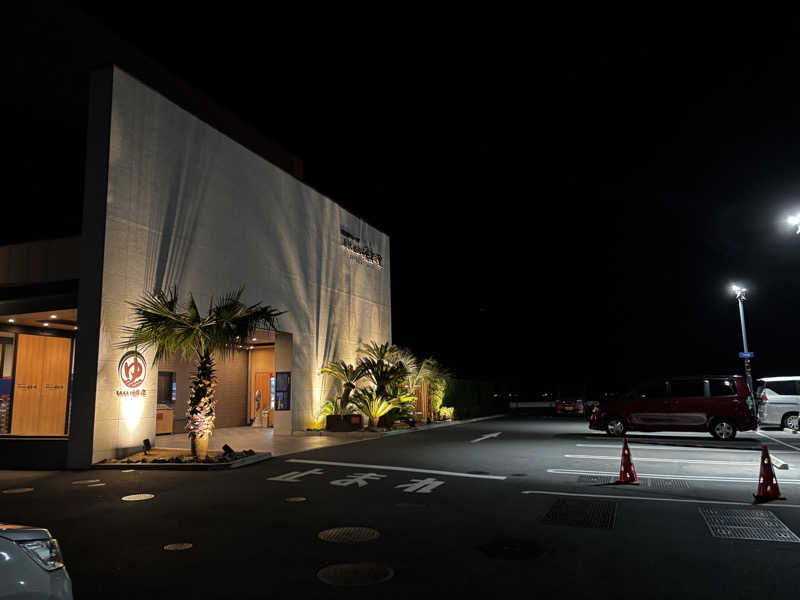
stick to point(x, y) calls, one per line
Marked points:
point(53, 316)
point(46, 324)
point(11, 320)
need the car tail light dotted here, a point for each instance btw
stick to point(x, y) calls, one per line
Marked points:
point(764, 398)
point(45, 553)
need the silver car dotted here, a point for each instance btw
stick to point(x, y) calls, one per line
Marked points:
point(31, 565)
point(779, 401)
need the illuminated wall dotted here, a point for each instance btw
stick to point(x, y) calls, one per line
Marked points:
point(188, 206)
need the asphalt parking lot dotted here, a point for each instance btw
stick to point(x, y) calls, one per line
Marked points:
point(475, 509)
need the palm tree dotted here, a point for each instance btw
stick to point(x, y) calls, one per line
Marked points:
point(174, 331)
point(374, 405)
point(349, 376)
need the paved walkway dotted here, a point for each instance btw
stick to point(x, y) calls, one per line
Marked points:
point(259, 439)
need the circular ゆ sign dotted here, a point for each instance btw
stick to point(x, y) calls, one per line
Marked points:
point(132, 369)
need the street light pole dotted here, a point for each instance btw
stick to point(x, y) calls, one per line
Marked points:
point(741, 296)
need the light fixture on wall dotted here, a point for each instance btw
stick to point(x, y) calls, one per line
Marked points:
point(46, 324)
point(53, 316)
point(11, 320)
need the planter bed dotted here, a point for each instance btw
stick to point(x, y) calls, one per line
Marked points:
point(181, 459)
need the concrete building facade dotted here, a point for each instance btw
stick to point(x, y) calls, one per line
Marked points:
point(169, 201)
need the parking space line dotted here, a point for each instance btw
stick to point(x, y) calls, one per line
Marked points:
point(690, 461)
point(668, 448)
point(710, 478)
point(390, 468)
point(795, 448)
point(654, 499)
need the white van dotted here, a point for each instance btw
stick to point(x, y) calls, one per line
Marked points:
point(778, 401)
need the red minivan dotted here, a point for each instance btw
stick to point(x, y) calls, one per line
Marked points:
point(719, 405)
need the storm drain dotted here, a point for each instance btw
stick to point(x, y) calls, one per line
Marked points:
point(178, 547)
point(349, 535)
point(511, 549)
point(581, 513)
point(350, 574)
point(651, 484)
point(292, 499)
point(744, 524)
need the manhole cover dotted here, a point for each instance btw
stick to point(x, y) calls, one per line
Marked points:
point(137, 497)
point(355, 574)
point(181, 546)
point(18, 491)
point(95, 485)
point(744, 524)
point(349, 535)
point(85, 481)
point(511, 549)
point(296, 499)
point(581, 513)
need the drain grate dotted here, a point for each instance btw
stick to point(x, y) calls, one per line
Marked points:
point(746, 524)
point(581, 513)
point(651, 484)
point(293, 499)
point(349, 535)
point(355, 574)
point(511, 549)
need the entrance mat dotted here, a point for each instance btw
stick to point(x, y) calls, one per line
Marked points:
point(597, 514)
point(746, 524)
point(180, 459)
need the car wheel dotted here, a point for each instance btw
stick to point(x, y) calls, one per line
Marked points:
point(723, 429)
point(789, 420)
point(615, 426)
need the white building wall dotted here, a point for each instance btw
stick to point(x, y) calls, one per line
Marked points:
point(189, 207)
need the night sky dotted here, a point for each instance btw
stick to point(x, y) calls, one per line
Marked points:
point(568, 196)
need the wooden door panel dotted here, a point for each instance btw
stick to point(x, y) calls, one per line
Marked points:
point(262, 385)
point(55, 386)
point(27, 384)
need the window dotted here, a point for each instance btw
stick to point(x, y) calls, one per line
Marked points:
point(691, 388)
point(657, 389)
point(785, 388)
point(721, 387)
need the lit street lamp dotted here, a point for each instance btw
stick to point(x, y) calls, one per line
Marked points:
point(794, 221)
point(741, 296)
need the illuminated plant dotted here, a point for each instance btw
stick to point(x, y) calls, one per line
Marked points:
point(349, 376)
point(172, 330)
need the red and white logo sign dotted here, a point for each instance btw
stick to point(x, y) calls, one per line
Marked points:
point(132, 369)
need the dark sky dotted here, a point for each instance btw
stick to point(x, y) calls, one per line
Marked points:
point(568, 196)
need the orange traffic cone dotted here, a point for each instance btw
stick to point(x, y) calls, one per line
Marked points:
point(767, 482)
point(627, 472)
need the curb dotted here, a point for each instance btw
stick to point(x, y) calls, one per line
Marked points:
point(438, 425)
point(242, 462)
point(374, 435)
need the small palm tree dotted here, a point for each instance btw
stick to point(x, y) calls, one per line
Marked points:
point(349, 376)
point(374, 405)
point(174, 331)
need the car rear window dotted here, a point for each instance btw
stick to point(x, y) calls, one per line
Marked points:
point(722, 387)
point(690, 388)
point(786, 388)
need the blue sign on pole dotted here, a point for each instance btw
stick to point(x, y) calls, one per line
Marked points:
point(746, 354)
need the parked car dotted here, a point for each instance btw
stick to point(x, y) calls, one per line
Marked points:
point(32, 565)
point(570, 399)
point(719, 405)
point(779, 401)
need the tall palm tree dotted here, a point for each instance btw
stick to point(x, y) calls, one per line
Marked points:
point(349, 376)
point(182, 331)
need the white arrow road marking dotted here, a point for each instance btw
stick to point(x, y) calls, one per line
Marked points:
point(689, 461)
point(684, 477)
point(486, 437)
point(388, 468)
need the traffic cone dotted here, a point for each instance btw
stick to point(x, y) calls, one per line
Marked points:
point(627, 472)
point(767, 482)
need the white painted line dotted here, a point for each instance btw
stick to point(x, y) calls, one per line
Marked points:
point(779, 441)
point(668, 448)
point(778, 463)
point(388, 468)
point(684, 477)
point(486, 437)
point(656, 499)
point(690, 461)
